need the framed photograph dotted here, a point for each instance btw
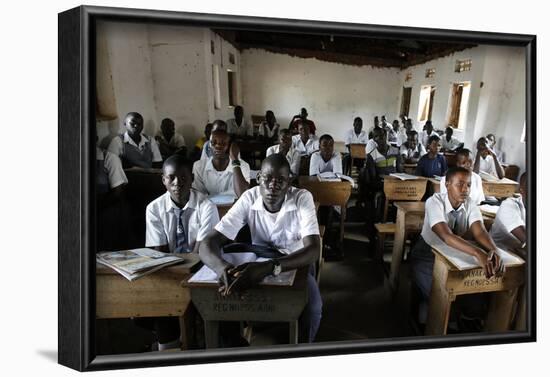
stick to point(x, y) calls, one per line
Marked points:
point(377, 124)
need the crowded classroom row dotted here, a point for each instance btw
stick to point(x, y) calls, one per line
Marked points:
point(283, 218)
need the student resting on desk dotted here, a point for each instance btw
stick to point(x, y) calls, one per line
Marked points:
point(493, 146)
point(238, 127)
point(279, 216)
point(432, 163)
point(412, 150)
point(326, 159)
point(354, 136)
point(449, 143)
point(135, 148)
point(207, 150)
point(168, 140)
point(508, 230)
point(426, 133)
point(223, 173)
point(304, 142)
point(301, 119)
point(176, 222)
point(486, 160)
point(450, 218)
point(286, 149)
point(464, 160)
point(269, 128)
point(202, 141)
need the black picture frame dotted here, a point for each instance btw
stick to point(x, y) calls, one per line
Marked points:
point(77, 188)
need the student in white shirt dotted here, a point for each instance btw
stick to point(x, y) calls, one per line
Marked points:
point(449, 143)
point(168, 140)
point(269, 128)
point(427, 133)
point(282, 217)
point(392, 134)
point(492, 145)
point(134, 147)
point(176, 222)
point(449, 218)
point(509, 230)
point(238, 126)
point(412, 150)
point(305, 142)
point(223, 173)
point(326, 159)
point(286, 149)
point(464, 160)
point(400, 133)
point(486, 160)
point(354, 136)
point(207, 150)
point(109, 172)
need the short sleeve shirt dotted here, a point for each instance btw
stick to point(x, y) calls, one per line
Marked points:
point(116, 146)
point(439, 209)
point(209, 181)
point(292, 156)
point(317, 165)
point(296, 219)
point(487, 165)
point(510, 215)
point(427, 167)
point(311, 146)
point(476, 189)
point(113, 165)
point(353, 138)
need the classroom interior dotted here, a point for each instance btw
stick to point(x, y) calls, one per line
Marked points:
point(195, 75)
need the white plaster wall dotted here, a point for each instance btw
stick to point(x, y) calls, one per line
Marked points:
point(333, 93)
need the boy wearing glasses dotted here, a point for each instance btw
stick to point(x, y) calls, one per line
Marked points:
point(279, 216)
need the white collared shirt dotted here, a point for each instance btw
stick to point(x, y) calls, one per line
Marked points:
point(200, 215)
point(317, 165)
point(439, 209)
point(487, 165)
point(285, 231)
point(476, 189)
point(371, 145)
point(209, 181)
point(401, 136)
point(510, 215)
point(423, 137)
point(269, 133)
point(353, 138)
point(449, 145)
point(113, 165)
point(234, 129)
point(177, 141)
point(311, 146)
point(292, 156)
point(116, 147)
point(409, 153)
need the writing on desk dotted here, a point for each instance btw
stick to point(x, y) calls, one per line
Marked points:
point(404, 190)
point(224, 307)
point(476, 278)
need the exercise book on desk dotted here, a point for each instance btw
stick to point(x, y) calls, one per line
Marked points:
point(335, 177)
point(222, 199)
point(403, 176)
point(463, 261)
point(207, 275)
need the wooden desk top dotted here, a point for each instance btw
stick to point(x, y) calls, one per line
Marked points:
point(391, 178)
point(189, 265)
point(310, 179)
point(503, 181)
point(411, 207)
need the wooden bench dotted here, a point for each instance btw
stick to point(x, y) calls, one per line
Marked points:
point(382, 231)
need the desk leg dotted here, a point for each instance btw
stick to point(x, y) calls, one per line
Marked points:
point(439, 306)
point(501, 310)
point(293, 332)
point(211, 334)
point(521, 324)
point(397, 252)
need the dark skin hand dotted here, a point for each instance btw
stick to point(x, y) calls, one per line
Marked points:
point(482, 151)
point(239, 182)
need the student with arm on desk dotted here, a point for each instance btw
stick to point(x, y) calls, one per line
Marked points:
point(286, 149)
point(279, 216)
point(354, 136)
point(176, 222)
point(464, 160)
point(325, 160)
point(135, 148)
point(450, 218)
point(486, 160)
point(305, 142)
point(432, 163)
point(412, 150)
point(449, 143)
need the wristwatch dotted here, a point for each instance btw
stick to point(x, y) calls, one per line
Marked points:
point(276, 267)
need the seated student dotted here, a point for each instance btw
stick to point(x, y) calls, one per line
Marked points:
point(109, 172)
point(269, 128)
point(279, 216)
point(326, 159)
point(449, 218)
point(223, 173)
point(399, 132)
point(301, 119)
point(201, 142)
point(286, 149)
point(238, 127)
point(207, 150)
point(354, 136)
point(486, 160)
point(508, 230)
point(426, 133)
point(432, 163)
point(176, 222)
point(492, 145)
point(133, 147)
point(168, 140)
point(449, 143)
point(412, 150)
point(304, 142)
point(464, 160)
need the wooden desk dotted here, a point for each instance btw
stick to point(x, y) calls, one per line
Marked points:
point(261, 304)
point(449, 282)
point(504, 188)
point(435, 185)
point(409, 168)
point(410, 217)
point(159, 294)
point(406, 190)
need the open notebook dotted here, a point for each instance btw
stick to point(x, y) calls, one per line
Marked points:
point(206, 275)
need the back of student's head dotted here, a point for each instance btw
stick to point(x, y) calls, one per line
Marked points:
point(451, 172)
point(178, 161)
point(325, 137)
point(276, 161)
